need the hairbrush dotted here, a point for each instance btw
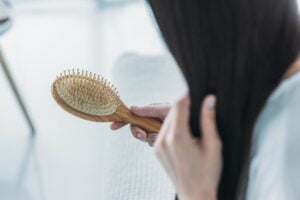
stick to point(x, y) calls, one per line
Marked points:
point(91, 97)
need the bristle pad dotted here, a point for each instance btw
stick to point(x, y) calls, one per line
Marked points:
point(88, 94)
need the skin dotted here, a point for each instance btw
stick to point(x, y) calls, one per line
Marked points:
point(156, 110)
point(194, 166)
point(175, 145)
point(175, 141)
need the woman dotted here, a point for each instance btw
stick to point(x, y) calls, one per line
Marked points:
point(245, 53)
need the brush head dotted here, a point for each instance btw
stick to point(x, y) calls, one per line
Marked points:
point(82, 92)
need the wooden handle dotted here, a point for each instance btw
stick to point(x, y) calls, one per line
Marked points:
point(150, 125)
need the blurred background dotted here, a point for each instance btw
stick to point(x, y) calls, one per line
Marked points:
point(47, 153)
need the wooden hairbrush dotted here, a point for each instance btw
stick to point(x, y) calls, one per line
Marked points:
point(91, 97)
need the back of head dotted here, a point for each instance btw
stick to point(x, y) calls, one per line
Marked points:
point(239, 50)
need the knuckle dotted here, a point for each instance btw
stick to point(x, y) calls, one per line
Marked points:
point(134, 131)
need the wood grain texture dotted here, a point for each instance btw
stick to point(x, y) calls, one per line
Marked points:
point(122, 114)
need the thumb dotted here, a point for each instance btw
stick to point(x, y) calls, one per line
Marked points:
point(210, 135)
point(155, 111)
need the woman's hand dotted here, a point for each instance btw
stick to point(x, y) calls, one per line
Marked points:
point(157, 110)
point(193, 165)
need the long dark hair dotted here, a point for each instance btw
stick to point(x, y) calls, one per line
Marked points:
point(239, 50)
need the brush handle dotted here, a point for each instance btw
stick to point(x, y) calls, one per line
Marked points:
point(150, 125)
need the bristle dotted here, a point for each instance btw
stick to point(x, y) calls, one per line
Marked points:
point(87, 92)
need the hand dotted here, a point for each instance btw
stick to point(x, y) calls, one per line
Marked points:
point(193, 165)
point(158, 110)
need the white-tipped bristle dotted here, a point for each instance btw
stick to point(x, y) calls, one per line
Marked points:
point(87, 92)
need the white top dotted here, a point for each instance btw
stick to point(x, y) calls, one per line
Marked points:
point(275, 157)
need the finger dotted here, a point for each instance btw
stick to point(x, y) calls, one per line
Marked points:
point(138, 133)
point(117, 125)
point(161, 148)
point(151, 138)
point(182, 109)
point(208, 121)
point(156, 111)
point(181, 113)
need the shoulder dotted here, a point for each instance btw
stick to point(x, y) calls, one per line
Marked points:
point(275, 154)
point(274, 167)
point(291, 140)
point(291, 94)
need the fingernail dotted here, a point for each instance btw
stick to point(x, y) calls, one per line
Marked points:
point(211, 101)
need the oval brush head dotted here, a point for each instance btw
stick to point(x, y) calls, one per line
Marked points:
point(91, 97)
point(86, 92)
